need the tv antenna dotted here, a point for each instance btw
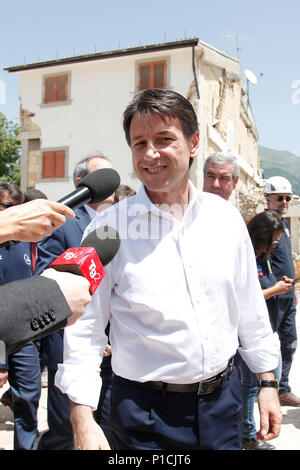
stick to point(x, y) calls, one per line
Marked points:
point(237, 42)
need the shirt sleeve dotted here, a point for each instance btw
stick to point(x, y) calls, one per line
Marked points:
point(259, 346)
point(84, 344)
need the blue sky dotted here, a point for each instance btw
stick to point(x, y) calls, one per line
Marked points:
point(268, 32)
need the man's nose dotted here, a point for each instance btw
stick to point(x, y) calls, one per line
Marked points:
point(216, 183)
point(151, 152)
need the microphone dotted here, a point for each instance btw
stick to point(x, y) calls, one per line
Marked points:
point(88, 260)
point(93, 188)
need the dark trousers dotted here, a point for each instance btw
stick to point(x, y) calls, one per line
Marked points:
point(103, 413)
point(288, 339)
point(24, 377)
point(145, 419)
point(60, 434)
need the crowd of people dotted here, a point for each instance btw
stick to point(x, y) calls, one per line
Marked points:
point(178, 342)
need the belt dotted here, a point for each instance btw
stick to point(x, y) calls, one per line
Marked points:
point(199, 388)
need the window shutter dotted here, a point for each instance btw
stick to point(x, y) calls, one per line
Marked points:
point(159, 75)
point(152, 75)
point(62, 91)
point(144, 77)
point(56, 89)
point(48, 165)
point(49, 90)
point(54, 164)
point(59, 164)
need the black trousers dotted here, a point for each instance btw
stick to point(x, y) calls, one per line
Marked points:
point(287, 333)
point(144, 419)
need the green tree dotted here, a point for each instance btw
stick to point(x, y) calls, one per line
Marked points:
point(10, 151)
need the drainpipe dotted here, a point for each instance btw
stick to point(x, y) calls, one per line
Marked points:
point(195, 75)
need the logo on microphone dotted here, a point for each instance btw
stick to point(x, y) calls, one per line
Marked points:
point(93, 273)
point(68, 255)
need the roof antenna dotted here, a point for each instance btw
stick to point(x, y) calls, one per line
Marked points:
point(237, 42)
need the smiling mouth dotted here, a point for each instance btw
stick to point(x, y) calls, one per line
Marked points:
point(155, 170)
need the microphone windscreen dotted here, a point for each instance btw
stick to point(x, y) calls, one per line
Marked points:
point(102, 183)
point(106, 242)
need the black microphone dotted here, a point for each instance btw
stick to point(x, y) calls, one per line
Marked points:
point(96, 250)
point(93, 188)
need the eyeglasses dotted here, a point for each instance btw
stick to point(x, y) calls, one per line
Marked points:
point(286, 198)
point(6, 205)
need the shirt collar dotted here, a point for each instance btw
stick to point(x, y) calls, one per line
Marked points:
point(92, 213)
point(146, 205)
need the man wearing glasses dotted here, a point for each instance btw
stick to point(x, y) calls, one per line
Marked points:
point(10, 195)
point(278, 192)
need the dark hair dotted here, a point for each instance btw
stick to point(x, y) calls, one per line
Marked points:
point(32, 193)
point(262, 229)
point(162, 102)
point(14, 191)
point(122, 192)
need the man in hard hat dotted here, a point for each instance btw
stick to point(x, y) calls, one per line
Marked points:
point(278, 193)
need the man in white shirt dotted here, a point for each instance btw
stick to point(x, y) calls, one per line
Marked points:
point(179, 293)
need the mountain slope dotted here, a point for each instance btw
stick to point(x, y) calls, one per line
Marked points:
point(280, 163)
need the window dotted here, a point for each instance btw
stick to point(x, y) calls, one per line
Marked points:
point(53, 164)
point(56, 88)
point(152, 75)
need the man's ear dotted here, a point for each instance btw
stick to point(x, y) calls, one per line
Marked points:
point(194, 144)
point(236, 181)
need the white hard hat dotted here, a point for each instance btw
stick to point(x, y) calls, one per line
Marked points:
point(278, 184)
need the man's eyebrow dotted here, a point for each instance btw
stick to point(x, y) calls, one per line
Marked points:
point(164, 132)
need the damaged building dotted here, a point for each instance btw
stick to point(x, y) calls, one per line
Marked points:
point(72, 106)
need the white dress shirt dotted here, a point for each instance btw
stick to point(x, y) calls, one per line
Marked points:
point(178, 295)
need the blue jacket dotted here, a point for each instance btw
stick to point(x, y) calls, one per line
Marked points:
point(15, 262)
point(67, 236)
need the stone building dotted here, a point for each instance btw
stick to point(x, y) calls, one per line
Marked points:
point(72, 106)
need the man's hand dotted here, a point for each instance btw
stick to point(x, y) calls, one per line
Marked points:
point(3, 377)
point(32, 221)
point(87, 434)
point(270, 414)
point(75, 289)
point(107, 351)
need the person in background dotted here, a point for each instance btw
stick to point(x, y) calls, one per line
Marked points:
point(122, 192)
point(23, 367)
point(60, 435)
point(265, 230)
point(278, 193)
point(221, 173)
point(64, 294)
point(28, 195)
point(31, 194)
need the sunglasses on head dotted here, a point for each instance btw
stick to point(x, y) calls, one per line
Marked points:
point(286, 198)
